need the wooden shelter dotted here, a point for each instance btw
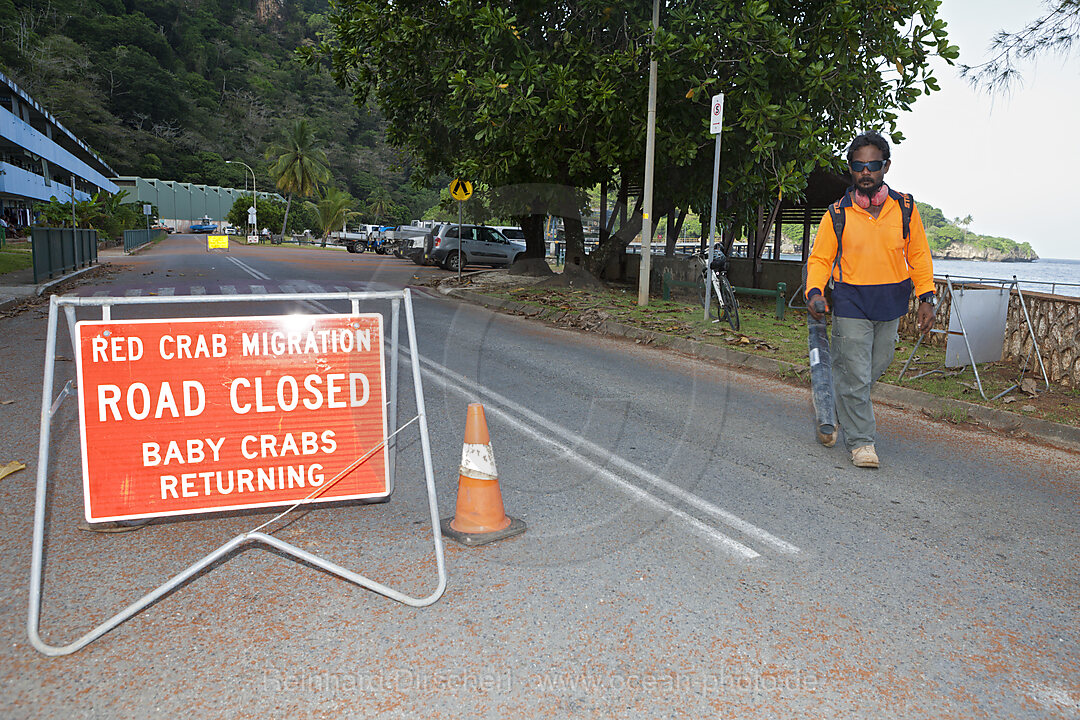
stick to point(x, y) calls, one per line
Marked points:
point(823, 188)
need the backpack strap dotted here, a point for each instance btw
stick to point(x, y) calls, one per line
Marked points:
point(838, 213)
point(907, 204)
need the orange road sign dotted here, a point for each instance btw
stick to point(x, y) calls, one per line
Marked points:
point(461, 190)
point(213, 414)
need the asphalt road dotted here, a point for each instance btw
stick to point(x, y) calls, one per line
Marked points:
point(690, 552)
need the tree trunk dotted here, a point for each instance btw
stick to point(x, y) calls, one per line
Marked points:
point(673, 229)
point(285, 222)
point(574, 236)
point(533, 227)
point(616, 244)
point(679, 223)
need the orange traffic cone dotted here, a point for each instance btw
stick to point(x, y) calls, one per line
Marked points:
point(479, 517)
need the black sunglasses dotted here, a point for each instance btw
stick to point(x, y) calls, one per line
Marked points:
point(872, 166)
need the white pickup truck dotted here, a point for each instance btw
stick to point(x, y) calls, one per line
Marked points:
point(354, 242)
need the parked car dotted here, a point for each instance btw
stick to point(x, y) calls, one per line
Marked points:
point(232, 230)
point(203, 226)
point(400, 240)
point(512, 232)
point(354, 242)
point(480, 245)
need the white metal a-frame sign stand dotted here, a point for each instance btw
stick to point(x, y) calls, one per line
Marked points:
point(956, 310)
point(50, 405)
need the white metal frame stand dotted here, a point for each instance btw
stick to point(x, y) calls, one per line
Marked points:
point(1011, 285)
point(50, 405)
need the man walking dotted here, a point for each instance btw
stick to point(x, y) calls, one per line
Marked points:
point(878, 255)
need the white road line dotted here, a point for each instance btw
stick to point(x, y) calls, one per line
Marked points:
point(228, 289)
point(134, 292)
point(198, 290)
point(101, 293)
point(723, 541)
point(341, 288)
point(258, 290)
point(248, 269)
point(169, 292)
point(657, 482)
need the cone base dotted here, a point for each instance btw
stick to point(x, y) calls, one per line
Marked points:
point(516, 527)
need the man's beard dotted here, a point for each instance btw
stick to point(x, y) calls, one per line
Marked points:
point(869, 192)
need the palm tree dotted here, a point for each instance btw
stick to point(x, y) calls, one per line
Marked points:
point(334, 208)
point(300, 166)
point(964, 222)
point(380, 204)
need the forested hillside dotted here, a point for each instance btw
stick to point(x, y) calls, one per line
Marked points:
point(169, 89)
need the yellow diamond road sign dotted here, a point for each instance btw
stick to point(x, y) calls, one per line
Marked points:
point(461, 190)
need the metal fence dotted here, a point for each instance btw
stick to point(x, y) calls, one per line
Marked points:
point(138, 238)
point(58, 250)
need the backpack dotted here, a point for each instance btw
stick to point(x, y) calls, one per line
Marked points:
point(838, 215)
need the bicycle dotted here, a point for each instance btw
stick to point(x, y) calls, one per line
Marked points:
point(723, 303)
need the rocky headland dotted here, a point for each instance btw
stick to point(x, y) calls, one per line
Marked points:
point(965, 251)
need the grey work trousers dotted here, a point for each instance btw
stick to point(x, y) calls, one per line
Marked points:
point(861, 351)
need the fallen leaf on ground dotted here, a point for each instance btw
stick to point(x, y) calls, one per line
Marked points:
point(6, 402)
point(1029, 386)
point(1027, 408)
point(1009, 399)
point(13, 466)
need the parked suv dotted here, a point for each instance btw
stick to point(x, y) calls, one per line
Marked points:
point(512, 232)
point(480, 246)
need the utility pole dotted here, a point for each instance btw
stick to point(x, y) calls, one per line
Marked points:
point(650, 152)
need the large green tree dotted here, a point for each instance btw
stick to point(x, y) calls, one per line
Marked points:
point(299, 166)
point(541, 93)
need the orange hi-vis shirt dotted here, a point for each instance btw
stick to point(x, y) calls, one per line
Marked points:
point(877, 267)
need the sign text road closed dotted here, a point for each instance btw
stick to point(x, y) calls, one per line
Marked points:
point(199, 415)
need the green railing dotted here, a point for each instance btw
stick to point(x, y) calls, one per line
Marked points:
point(137, 238)
point(58, 250)
point(779, 293)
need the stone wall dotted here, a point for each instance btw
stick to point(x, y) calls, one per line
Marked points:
point(1055, 319)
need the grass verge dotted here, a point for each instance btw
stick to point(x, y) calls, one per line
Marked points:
point(12, 259)
point(762, 333)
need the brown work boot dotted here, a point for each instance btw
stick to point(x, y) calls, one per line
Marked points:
point(864, 457)
point(827, 440)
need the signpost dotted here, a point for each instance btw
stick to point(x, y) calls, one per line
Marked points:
point(460, 190)
point(253, 222)
point(716, 127)
point(214, 414)
point(146, 211)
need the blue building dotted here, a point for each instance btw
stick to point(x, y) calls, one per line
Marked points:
point(41, 159)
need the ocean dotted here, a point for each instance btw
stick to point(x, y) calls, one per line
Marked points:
point(1044, 275)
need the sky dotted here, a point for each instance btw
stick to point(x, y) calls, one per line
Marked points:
point(1008, 161)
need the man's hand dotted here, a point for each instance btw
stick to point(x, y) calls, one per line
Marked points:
point(925, 317)
point(818, 307)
